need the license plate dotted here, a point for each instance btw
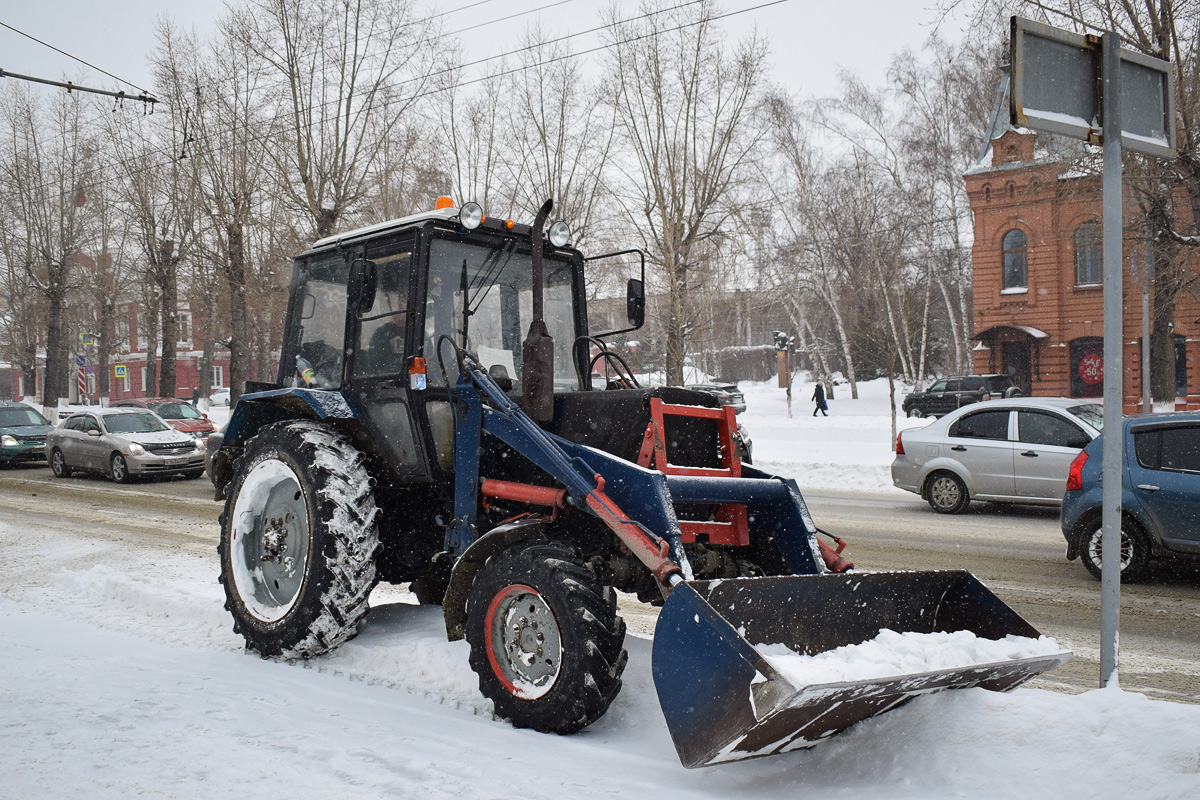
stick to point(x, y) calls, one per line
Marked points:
point(175, 460)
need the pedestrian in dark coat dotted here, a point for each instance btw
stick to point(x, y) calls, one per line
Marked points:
point(819, 398)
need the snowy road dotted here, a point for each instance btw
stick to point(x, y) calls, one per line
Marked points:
point(121, 676)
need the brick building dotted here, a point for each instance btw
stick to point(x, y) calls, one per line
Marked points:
point(127, 367)
point(1038, 299)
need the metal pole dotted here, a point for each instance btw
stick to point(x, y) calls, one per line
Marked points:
point(1146, 398)
point(1114, 372)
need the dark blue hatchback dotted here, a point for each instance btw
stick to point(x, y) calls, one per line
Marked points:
point(1160, 495)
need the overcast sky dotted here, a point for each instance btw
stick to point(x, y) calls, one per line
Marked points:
point(810, 39)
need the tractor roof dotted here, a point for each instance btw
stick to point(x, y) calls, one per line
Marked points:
point(443, 214)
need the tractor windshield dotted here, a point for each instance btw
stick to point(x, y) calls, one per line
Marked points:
point(481, 294)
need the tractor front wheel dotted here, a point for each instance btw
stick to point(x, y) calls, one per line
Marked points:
point(298, 541)
point(545, 638)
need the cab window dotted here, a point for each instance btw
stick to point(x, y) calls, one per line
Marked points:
point(982, 425)
point(381, 335)
point(938, 386)
point(318, 324)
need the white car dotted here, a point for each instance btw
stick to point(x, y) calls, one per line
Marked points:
point(1017, 450)
point(219, 398)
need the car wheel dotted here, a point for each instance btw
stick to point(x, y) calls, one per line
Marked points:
point(118, 469)
point(947, 494)
point(58, 464)
point(915, 413)
point(1135, 550)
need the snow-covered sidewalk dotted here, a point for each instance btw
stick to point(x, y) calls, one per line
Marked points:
point(124, 678)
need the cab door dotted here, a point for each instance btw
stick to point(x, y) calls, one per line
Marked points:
point(382, 335)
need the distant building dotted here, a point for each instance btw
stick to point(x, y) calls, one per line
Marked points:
point(1038, 298)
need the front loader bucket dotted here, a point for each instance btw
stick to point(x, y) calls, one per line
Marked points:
point(724, 700)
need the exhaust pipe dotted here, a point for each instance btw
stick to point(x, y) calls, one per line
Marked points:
point(537, 352)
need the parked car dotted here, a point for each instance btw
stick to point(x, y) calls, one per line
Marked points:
point(122, 443)
point(22, 433)
point(726, 392)
point(179, 414)
point(1013, 451)
point(220, 397)
point(946, 394)
point(1160, 495)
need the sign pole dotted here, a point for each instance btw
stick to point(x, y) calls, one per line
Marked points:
point(1114, 371)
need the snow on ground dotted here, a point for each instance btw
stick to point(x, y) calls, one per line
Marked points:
point(850, 449)
point(120, 675)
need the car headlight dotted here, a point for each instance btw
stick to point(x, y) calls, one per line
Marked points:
point(8, 441)
point(201, 442)
point(136, 449)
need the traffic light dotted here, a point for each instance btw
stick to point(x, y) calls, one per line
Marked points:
point(781, 341)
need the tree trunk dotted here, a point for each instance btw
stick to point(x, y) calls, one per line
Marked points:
point(170, 319)
point(236, 277)
point(55, 382)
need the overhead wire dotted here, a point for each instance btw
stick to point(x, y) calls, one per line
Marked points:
point(75, 58)
point(169, 153)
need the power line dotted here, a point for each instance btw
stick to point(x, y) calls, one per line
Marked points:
point(264, 137)
point(75, 58)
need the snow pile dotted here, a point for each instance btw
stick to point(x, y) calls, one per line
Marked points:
point(892, 654)
point(849, 450)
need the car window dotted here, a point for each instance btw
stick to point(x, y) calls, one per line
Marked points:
point(135, 423)
point(972, 384)
point(72, 424)
point(998, 383)
point(88, 423)
point(20, 418)
point(982, 425)
point(1181, 449)
point(1037, 427)
point(938, 386)
point(954, 384)
point(175, 410)
point(1092, 414)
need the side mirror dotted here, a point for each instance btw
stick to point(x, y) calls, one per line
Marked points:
point(360, 290)
point(635, 302)
point(93, 432)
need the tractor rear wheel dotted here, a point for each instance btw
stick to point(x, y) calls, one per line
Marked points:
point(298, 541)
point(545, 637)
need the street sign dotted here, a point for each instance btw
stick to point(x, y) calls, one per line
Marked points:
point(1056, 88)
point(80, 360)
point(87, 339)
point(119, 371)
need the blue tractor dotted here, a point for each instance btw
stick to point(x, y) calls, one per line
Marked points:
point(437, 422)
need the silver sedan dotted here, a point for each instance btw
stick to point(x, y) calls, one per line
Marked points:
point(1012, 451)
point(122, 443)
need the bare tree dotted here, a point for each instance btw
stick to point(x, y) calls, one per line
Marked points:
point(348, 73)
point(45, 165)
point(684, 104)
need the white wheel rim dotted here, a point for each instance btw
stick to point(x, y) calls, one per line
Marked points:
point(269, 540)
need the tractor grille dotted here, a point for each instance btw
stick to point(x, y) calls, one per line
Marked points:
point(170, 448)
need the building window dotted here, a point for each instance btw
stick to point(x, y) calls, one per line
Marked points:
point(183, 328)
point(1089, 261)
point(1015, 248)
point(1181, 381)
point(218, 380)
point(125, 382)
point(144, 382)
point(1087, 367)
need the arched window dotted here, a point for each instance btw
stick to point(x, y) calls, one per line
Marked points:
point(1015, 248)
point(1089, 263)
point(987, 193)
